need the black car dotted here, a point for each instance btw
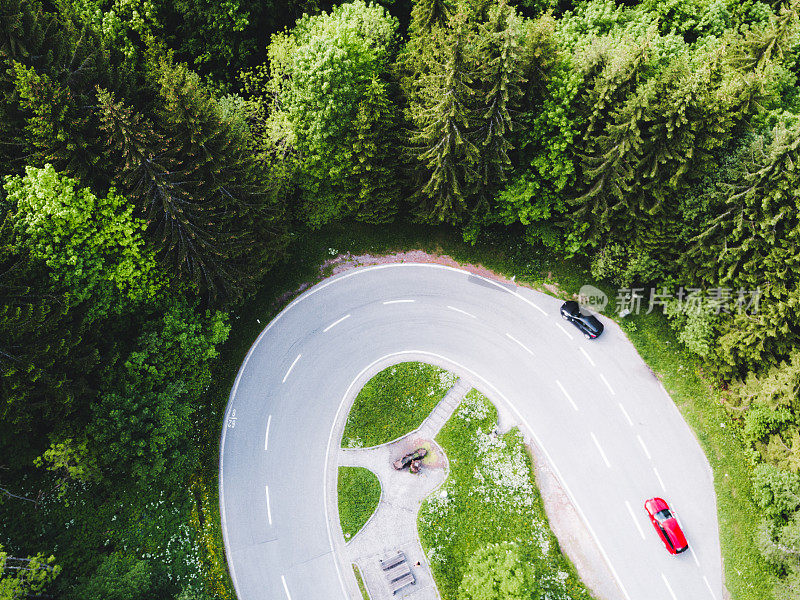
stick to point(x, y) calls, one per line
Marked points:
point(589, 325)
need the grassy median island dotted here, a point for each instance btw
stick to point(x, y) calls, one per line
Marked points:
point(487, 524)
point(395, 402)
point(359, 492)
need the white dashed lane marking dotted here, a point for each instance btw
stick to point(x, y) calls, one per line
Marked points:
point(398, 301)
point(266, 435)
point(334, 324)
point(567, 333)
point(285, 377)
point(589, 358)
point(463, 312)
point(660, 481)
point(608, 385)
point(600, 449)
point(269, 510)
point(708, 585)
point(646, 451)
point(524, 347)
point(571, 401)
point(625, 413)
point(634, 519)
point(669, 587)
point(286, 588)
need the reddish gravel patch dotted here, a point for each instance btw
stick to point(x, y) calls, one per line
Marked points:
point(347, 261)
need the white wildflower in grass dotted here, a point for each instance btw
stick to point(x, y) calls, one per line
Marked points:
point(478, 476)
point(353, 442)
point(447, 379)
point(435, 556)
point(437, 504)
point(540, 536)
point(472, 408)
point(491, 481)
point(502, 471)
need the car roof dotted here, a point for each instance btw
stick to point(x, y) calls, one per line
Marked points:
point(674, 531)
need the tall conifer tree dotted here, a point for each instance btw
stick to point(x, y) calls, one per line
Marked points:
point(230, 235)
point(500, 75)
point(443, 119)
point(372, 184)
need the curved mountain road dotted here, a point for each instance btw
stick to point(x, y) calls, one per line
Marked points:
point(612, 434)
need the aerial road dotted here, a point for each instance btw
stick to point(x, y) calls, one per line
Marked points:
point(611, 433)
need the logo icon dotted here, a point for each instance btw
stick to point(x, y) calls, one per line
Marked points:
point(593, 298)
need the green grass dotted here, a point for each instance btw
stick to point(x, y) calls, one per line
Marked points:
point(395, 402)
point(361, 586)
point(490, 496)
point(359, 493)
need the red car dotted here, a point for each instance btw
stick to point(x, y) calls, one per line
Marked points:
point(666, 525)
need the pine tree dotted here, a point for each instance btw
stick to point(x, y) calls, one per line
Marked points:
point(614, 69)
point(443, 119)
point(372, 184)
point(755, 239)
point(428, 19)
point(231, 234)
point(22, 31)
point(765, 44)
point(499, 74)
point(427, 15)
point(146, 169)
point(765, 232)
point(43, 357)
point(53, 124)
point(609, 173)
point(50, 84)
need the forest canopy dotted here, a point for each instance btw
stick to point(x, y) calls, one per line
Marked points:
point(158, 158)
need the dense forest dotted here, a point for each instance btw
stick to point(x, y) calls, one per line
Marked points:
point(157, 159)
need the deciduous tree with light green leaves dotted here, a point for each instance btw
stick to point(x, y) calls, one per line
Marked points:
point(322, 71)
point(499, 572)
point(88, 242)
point(26, 577)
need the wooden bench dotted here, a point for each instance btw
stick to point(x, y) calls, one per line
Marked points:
point(393, 561)
point(399, 584)
point(398, 571)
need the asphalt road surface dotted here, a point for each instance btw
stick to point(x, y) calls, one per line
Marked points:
point(611, 433)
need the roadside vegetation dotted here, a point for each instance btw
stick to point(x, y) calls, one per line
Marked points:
point(362, 588)
point(359, 492)
point(169, 169)
point(485, 528)
point(394, 403)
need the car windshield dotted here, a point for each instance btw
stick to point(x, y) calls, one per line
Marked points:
point(663, 515)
